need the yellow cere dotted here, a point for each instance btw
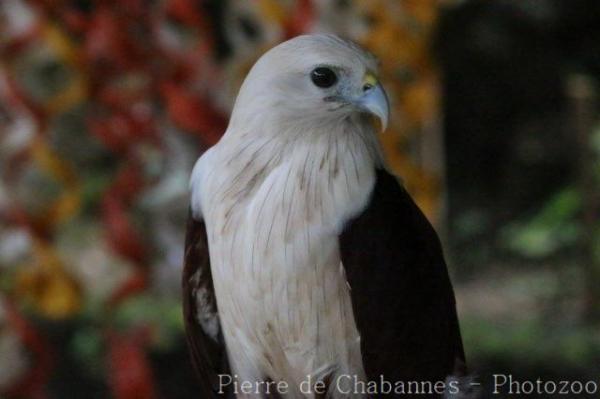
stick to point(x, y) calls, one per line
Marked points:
point(370, 79)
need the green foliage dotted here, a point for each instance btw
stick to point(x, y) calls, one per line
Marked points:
point(87, 345)
point(555, 227)
point(531, 343)
point(162, 314)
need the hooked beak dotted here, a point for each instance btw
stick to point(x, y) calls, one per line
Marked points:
point(374, 100)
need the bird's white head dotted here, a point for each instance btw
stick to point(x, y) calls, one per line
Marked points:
point(321, 80)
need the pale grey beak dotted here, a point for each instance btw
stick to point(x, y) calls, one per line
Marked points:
point(375, 101)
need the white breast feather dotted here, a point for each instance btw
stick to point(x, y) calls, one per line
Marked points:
point(273, 212)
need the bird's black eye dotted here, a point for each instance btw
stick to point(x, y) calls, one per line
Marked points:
point(323, 77)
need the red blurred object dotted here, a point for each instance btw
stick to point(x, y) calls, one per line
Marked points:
point(121, 235)
point(107, 40)
point(122, 130)
point(130, 375)
point(194, 113)
point(75, 20)
point(300, 19)
point(116, 97)
point(32, 384)
point(127, 183)
point(135, 284)
point(187, 12)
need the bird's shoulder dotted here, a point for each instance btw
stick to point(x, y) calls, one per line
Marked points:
point(197, 184)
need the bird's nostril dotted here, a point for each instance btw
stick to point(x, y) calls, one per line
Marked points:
point(367, 87)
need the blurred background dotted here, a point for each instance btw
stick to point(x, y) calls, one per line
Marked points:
point(105, 106)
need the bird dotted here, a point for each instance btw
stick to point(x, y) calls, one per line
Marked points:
point(306, 261)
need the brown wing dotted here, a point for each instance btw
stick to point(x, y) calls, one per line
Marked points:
point(401, 294)
point(203, 331)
